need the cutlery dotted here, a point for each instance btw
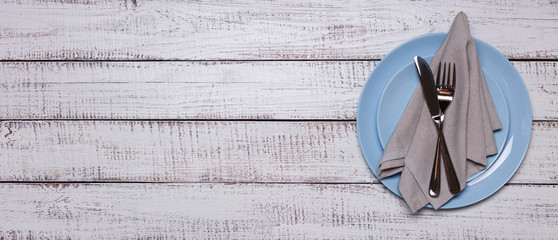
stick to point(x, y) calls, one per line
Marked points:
point(445, 86)
point(430, 93)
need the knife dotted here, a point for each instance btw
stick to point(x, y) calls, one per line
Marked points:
point(431, 97)
point(428, 88)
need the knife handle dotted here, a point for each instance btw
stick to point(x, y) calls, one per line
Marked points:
point(451, 176)
point(434, 187)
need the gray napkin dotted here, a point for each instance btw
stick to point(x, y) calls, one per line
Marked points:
point(468, 126)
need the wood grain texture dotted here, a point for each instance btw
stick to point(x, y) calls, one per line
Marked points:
point(256, 211)
point(166, 29)
point(123, 145)
point(181, 90)
point(211, 90)
point(204, 152)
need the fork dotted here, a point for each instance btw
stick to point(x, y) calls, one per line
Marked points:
point(445, 85)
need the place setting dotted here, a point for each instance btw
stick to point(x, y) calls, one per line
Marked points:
point(444, 120)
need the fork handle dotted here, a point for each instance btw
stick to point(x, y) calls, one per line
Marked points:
point(451, 176)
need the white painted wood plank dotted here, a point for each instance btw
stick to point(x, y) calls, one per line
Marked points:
point(164, 29)
point(211, 152)
point(539, 164)
point(262, 211)
point(181, 151)
point(210, 90)
point(181, 90)
point(540, 80)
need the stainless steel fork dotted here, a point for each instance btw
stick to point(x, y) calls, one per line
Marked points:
point(445, 84)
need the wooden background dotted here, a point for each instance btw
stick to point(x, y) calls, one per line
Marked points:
point(236, 119)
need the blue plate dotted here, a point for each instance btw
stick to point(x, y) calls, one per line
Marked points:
point(390, 86)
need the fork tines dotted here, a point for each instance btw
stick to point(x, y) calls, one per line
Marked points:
point(445, 81)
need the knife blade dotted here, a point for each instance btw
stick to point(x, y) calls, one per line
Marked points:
point(428, 87)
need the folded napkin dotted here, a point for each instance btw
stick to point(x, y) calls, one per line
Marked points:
point(468, 126)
